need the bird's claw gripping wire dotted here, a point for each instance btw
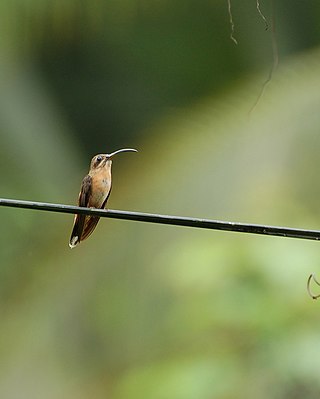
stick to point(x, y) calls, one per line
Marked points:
point(312, 277)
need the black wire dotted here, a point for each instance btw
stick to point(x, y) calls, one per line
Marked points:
point(166, 219)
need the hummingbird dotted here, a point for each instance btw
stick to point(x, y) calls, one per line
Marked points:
point(94, 193)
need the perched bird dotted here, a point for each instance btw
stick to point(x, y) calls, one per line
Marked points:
point(94, 193)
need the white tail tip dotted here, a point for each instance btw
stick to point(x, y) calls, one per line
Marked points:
point(74, 241)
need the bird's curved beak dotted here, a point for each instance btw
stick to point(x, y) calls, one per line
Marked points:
point(121, 150)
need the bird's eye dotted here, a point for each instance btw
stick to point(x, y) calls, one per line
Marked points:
point(99, 158)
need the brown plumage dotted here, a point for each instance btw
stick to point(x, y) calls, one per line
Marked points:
point(94, 193)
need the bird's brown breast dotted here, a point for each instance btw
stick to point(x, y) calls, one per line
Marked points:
point(101, 185)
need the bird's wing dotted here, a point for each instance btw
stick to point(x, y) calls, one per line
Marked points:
point(85, 191)
point(79, 221)
point(89, 226)
point(91, 221)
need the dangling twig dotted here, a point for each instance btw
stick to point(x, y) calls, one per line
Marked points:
point(275, 56)
point(262, 15)
point(312, 277)
point(231, 23)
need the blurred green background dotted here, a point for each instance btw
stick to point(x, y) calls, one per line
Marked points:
point(140, 310)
